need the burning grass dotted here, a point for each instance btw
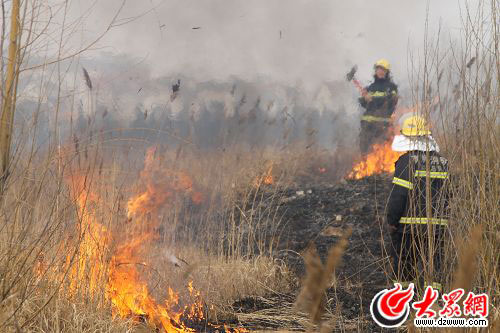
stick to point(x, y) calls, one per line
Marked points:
point(173, 249)
point(381, 159)
point(104, 239)
point(128, 246)
point(176, 248)
point(178, 245)
point(90, 243)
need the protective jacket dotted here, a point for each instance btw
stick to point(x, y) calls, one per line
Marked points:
point(407, 212)
point(407, 202)
point(384, 94)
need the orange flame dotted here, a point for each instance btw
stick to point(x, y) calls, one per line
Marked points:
point(125, 288)
point(127, 291)
point(265, 179)
point(162, 186)
point(130, 296)
point(85, 271)
point(381, 159)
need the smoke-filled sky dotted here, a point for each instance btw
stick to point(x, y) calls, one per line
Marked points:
point(247, 67)
point(288, 41)
point(238, 59)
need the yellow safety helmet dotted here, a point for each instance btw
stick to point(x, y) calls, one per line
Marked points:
point(415, 126)
point(384, 64)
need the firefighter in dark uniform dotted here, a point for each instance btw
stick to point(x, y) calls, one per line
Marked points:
point(417, 229)
point(379, 100)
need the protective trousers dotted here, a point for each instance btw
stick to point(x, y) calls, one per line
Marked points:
point(372, 132)
point(411, 256)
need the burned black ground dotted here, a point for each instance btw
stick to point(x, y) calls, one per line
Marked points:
point(317, 215)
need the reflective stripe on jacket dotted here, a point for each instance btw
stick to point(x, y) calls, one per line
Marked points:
point(407, 202)
point(373, 118)
point(384, 95)
point(423, 220)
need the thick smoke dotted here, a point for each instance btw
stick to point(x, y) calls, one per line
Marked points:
point(209, 114)
point(291, 42)
point(259, 73)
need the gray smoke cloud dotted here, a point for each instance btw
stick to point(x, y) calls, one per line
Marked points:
point(294, 42)
point(244, 66)
point(211, 114)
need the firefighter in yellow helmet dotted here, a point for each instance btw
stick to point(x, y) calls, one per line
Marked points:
point(379, 100)
point(408, 219)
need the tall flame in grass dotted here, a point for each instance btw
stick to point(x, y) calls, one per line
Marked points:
point(112, 260)
point(86, 271)
point(126, 289)
point(381, 159)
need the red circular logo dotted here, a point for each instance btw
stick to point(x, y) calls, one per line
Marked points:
point(391, 307)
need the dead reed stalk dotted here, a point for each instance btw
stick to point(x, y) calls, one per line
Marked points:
point(467, 260)
point(311, 298)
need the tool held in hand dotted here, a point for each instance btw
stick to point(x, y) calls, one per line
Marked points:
point(350, 77)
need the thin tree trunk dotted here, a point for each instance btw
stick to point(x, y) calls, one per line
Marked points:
point(9, 92)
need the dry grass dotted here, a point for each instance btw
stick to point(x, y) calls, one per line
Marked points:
point(62, 315)
point(46, 238)
point(312, 297)
point(222, 281)
point(473, 144)
point(467, 263)
point(228, 240)
point(466, 124)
